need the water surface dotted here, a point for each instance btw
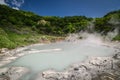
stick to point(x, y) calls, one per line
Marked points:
point(60, 55)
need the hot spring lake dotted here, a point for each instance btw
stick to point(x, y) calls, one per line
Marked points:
point(60, 55)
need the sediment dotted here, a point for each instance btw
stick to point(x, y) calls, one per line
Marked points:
point(6, 57)
point(12, 73)
point(94, 68)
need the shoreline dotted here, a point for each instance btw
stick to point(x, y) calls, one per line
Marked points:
point(19, 52)
point(8, 56)
point(12, 73)
point(94, 68)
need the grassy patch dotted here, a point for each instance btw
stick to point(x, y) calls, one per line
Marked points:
point(12, 40)
point(116, 38)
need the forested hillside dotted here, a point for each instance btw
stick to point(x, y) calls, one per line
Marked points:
point(19, 21)
point(18, 28)
point(109, 23)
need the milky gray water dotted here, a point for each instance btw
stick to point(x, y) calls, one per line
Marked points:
point(60, 55)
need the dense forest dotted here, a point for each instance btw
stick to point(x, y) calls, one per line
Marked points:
point(19, 28)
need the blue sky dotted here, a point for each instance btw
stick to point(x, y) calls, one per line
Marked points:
point(90, 8)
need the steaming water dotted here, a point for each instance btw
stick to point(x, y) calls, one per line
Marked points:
point(60, 55)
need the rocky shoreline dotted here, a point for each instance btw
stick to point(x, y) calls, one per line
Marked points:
point(94, 68)
point(12, 73)
point(6, 57)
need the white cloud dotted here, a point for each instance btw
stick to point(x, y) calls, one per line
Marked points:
point(16, 8)
point(17, 3)
point(3, 2)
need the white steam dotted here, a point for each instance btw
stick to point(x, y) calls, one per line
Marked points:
point(95, 38)
point(86, 37)
point(91, 26)
point(90, 35)
point(111, 35)
point(114, 20)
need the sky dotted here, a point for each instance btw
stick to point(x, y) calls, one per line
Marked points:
point(89, 8)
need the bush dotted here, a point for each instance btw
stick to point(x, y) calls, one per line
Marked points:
point(116, 38)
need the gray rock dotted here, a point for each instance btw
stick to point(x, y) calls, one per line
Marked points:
point(4, 77)
point(117, 55)
point(13, 73)
point(95, 68)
